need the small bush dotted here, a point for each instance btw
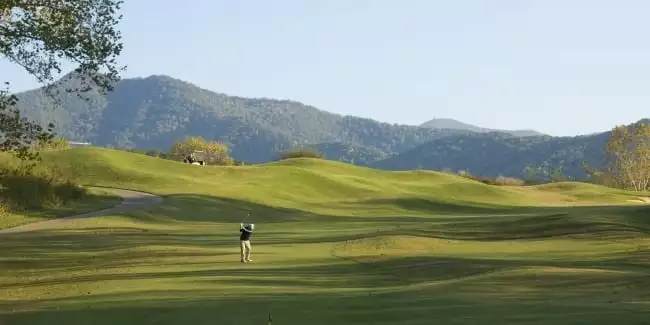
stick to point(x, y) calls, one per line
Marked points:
point(466, 174)
point(508, 181)
point(52, 144)
point(35, 188)
point(499, 180)
point(156, 153)
point(5, 208)
point(239, 162)
point(301, 153)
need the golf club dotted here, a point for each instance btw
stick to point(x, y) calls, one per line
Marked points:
point(246, 217)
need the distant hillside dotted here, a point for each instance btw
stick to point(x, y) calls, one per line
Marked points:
point(154, 112)
point(493, 154)
point(446, 123)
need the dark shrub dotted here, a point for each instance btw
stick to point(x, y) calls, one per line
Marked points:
point(301, 153)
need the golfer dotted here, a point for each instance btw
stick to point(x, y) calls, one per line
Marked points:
point(245, 241)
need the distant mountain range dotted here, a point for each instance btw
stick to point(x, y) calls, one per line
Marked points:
point(447, 123)
point(156, 111)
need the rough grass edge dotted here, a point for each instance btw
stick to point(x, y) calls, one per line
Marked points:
point(31, 188)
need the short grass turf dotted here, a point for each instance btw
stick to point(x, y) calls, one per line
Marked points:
point(335, 244)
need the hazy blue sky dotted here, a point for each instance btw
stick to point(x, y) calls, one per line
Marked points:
point(564, 67)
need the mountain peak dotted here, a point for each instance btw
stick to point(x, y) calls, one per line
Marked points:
point(448, 123)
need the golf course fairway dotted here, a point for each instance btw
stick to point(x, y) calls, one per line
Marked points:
point(334, 244)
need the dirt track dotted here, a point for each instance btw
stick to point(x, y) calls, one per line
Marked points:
point(131, 200)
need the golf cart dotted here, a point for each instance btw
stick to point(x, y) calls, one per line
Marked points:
point(196, 158)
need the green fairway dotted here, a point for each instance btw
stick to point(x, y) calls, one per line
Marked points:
point(334, 244)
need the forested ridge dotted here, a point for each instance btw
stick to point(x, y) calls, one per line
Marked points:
point(157, 111)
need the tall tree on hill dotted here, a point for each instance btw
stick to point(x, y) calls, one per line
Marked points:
point(214, 153)
point(41, 36)
point(628, 156)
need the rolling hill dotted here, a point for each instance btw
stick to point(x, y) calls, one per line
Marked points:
point(334, 244)
point(319, 186)
point(156, 111)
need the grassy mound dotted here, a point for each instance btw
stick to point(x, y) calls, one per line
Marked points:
point(29, 194)
point(335, 244)
point(319, 186)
